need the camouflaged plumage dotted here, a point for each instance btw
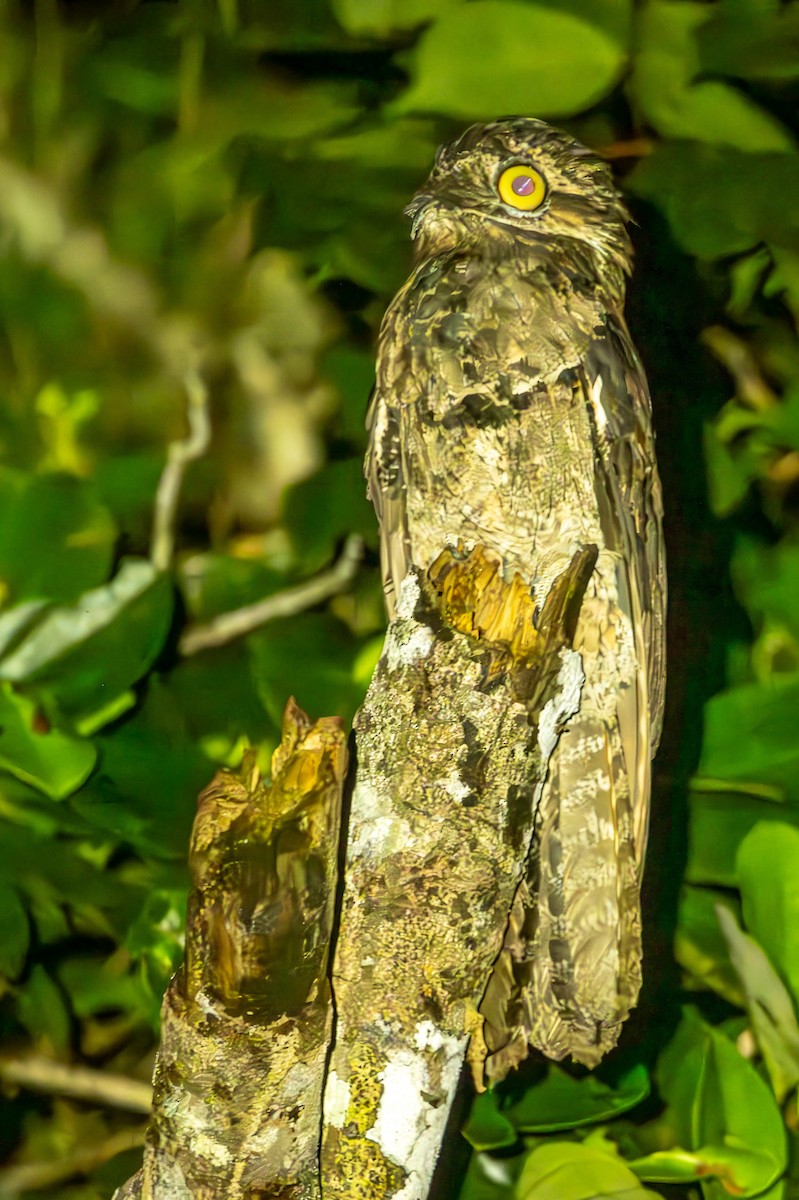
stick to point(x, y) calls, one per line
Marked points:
point(511, 411)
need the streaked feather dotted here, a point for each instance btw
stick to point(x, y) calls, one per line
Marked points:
point(511, 411)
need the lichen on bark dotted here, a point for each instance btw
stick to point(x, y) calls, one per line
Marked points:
point(451, 758)
point(246, 1021)
point(453, 741)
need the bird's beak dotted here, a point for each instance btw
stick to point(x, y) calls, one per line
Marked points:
point(416, 209)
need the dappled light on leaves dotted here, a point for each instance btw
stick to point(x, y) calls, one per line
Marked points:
point(214, 191)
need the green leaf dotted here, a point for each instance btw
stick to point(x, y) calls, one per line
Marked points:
point(114, 708)
point(219, 702)
point(724, 1118)
point(379, 18)
point(784, 279)
point(739, 1171)
point(487, 1128)
point(766, 581)
point(327, 652)
point(211, 584)
point(54, 872)
point(87, 654)
point(359, 232)
point(497, 56)
point(156, 938)
point(768, 1004)
point(137, 70)
point(262, 106)
point(366, 660)
point(325, 508)
point(56, 539)
point(768, 874)
point(729, 473)
point(490, 1178)
point(614, 16)
point(746, 276)
point(750, 733)
point(662, 84)
point(670, 1166)
point(561, 1102)
point(406, 146)
point(721, 817)
point(14, 932)
point(41, 1009)
point(148, 778)
point(52, 762)
point(571, 1171)
point(97, 986)
point(699, 946)
point(775, 427)
point(17, 621)
point(127, 484)
point(352, 373)
point(758, 41)
point(739, 204)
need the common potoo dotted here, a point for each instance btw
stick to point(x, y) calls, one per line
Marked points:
point(511, 411)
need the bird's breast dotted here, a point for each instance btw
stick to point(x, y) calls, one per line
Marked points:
point(520, 483)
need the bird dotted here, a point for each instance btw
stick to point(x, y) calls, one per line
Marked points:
point(511, 411)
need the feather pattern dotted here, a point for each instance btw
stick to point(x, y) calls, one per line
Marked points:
point(511, 411)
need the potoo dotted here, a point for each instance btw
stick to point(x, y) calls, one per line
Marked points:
point(511, 412)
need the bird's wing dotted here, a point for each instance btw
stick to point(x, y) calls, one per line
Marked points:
point(631, 510)
point(403, 376)
point(385, 486)
point(570, 967)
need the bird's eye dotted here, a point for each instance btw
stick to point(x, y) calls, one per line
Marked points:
point(522, 187)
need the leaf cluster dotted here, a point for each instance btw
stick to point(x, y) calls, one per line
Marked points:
point(216, 187)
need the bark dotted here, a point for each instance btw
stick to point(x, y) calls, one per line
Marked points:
point(246, 1023)
point(453, 741)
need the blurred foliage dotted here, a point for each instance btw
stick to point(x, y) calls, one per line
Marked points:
point(215, 188)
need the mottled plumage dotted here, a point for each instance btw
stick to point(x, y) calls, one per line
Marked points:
point(511, 411)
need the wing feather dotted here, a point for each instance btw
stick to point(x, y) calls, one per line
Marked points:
point(385, 488)
point(569, 970)
point(631, 511)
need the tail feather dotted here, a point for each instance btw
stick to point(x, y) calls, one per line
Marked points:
point(570, 968)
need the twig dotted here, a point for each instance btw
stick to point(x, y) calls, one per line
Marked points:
point(35, 1176)
point(638, 147)
point(228, 626)
point(41, 1074)
point(35, 218)
point(738, 359)
point(180, 454)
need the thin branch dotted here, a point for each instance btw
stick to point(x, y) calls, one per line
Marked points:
point(36, 218)
point(180, 454)
point(35, 1176)
point(228, 626)
point(638, 147)
point(40, 1074)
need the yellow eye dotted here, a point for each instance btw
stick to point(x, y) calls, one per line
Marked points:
point(522, 187)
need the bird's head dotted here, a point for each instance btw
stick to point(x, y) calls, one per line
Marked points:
point(520, 181)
